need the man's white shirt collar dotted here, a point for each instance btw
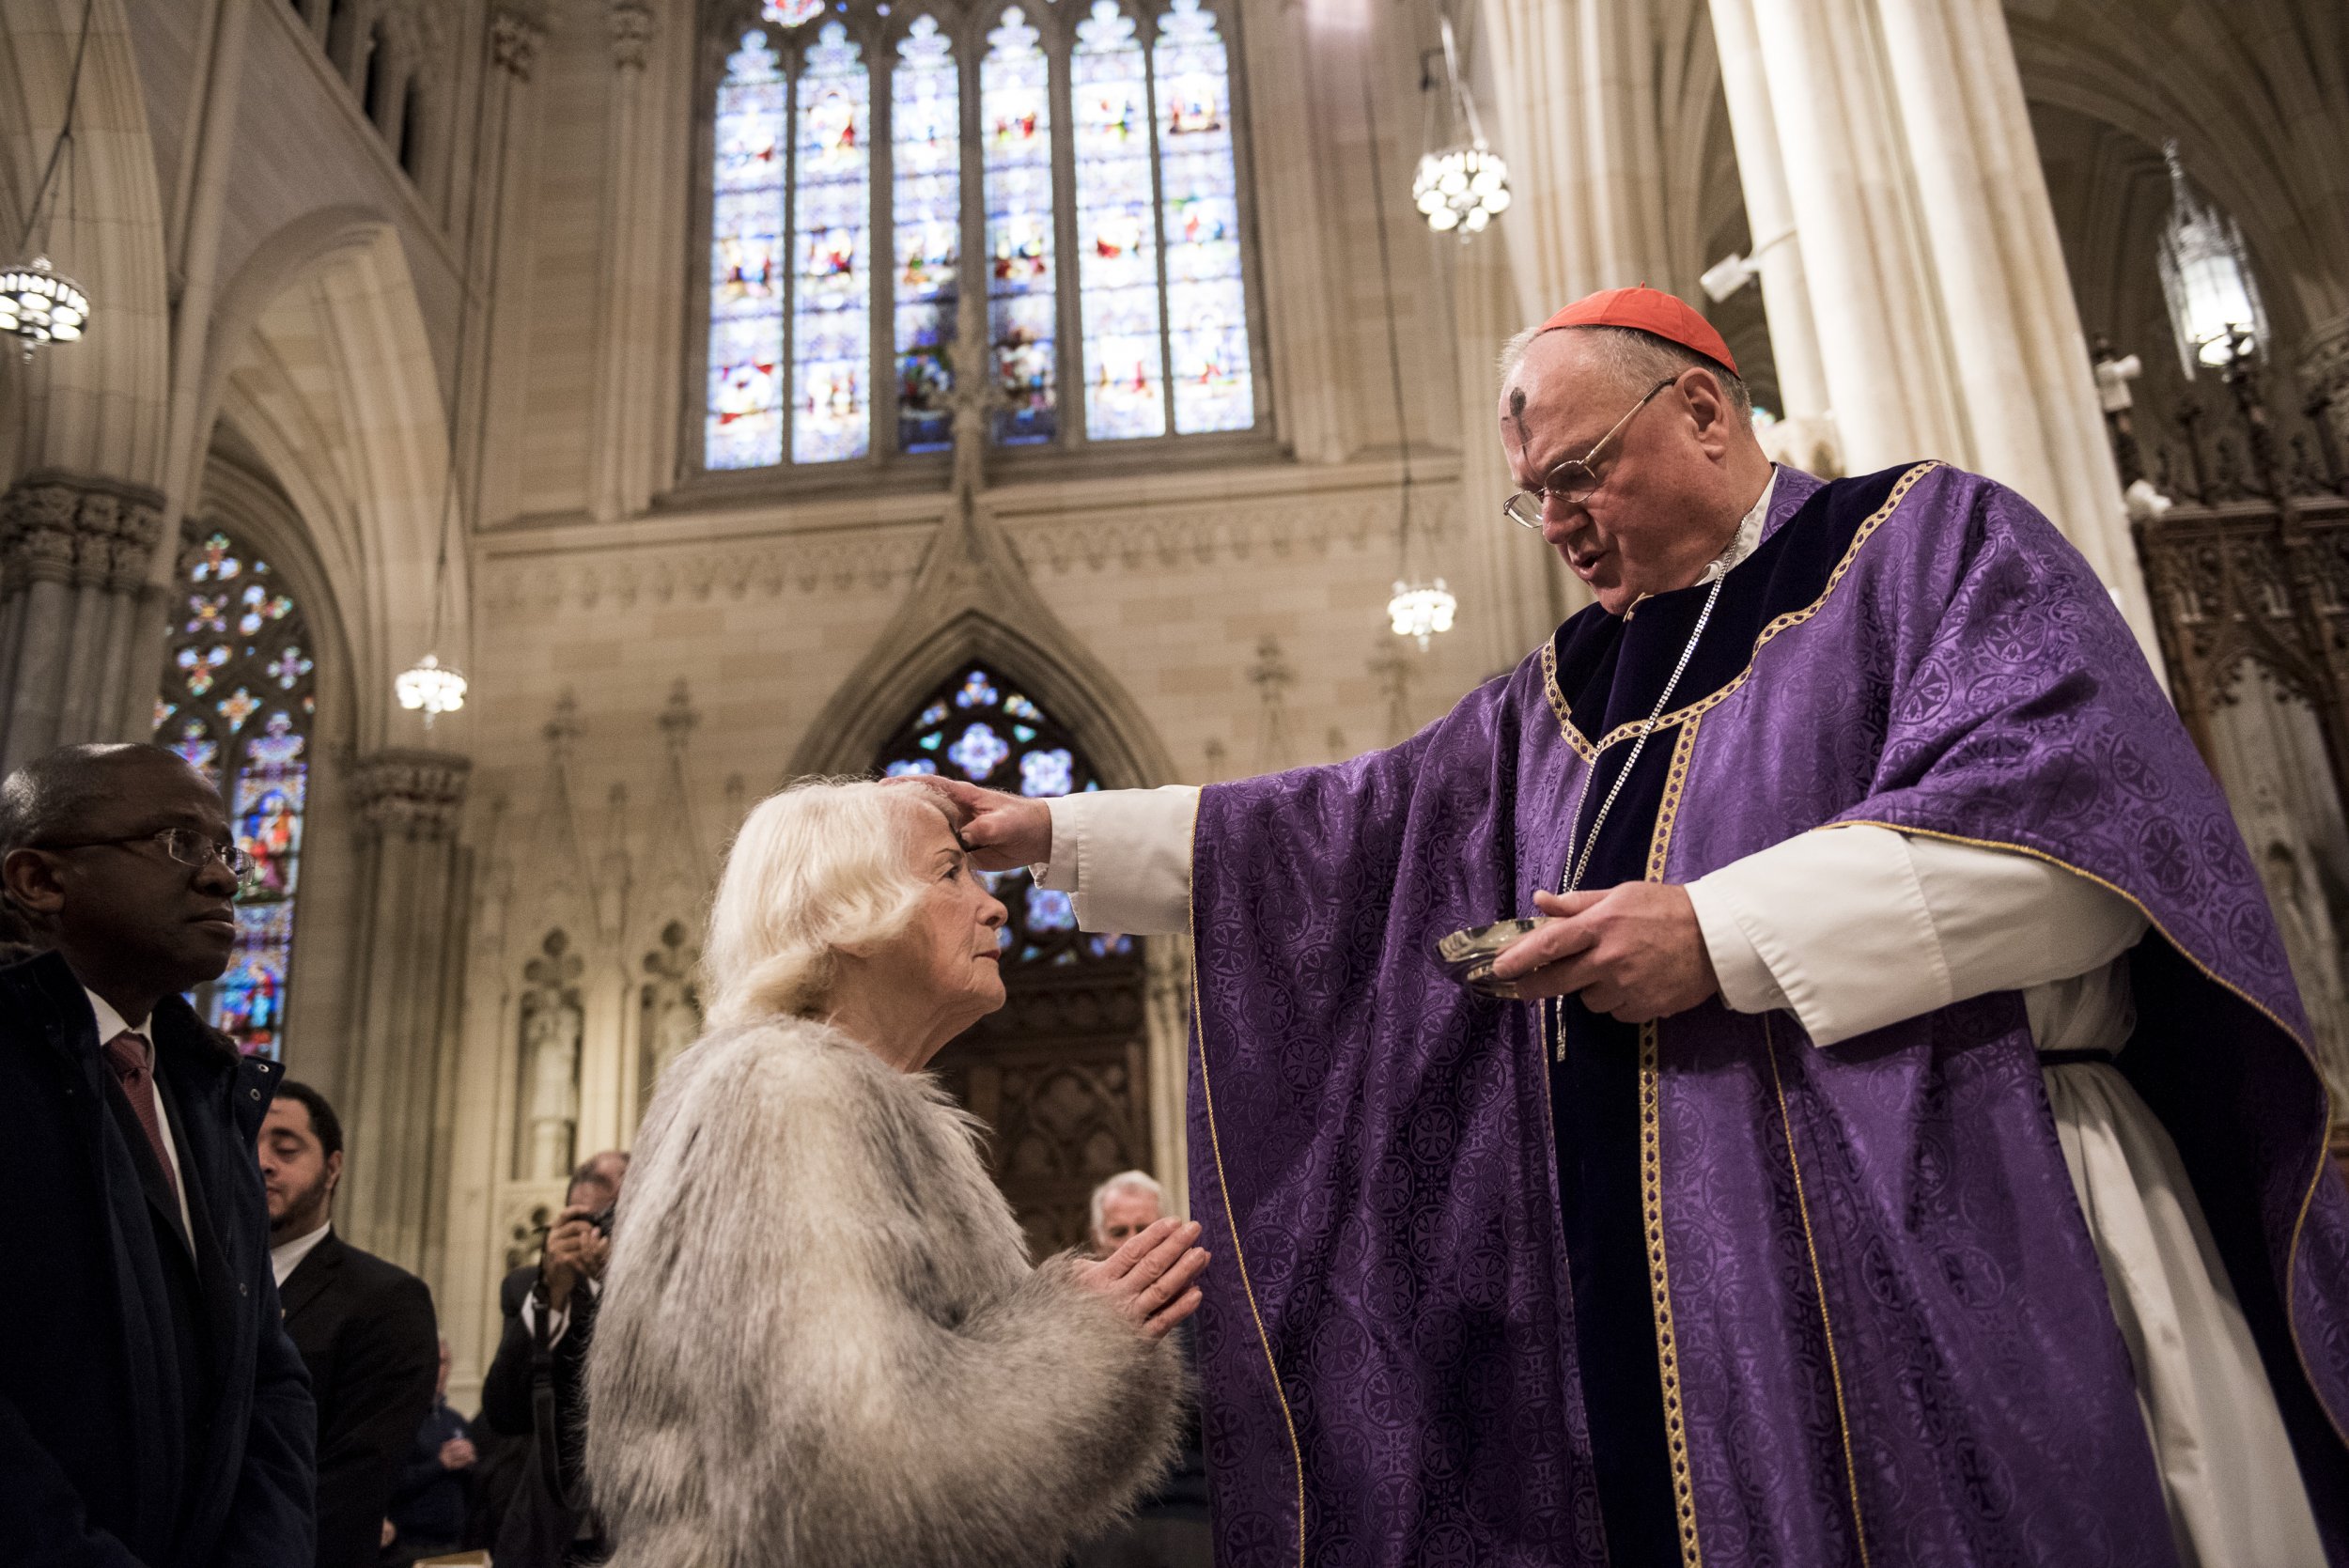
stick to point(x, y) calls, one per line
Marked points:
point(111, 1023)
point(287, 1256)
point(1747, 537)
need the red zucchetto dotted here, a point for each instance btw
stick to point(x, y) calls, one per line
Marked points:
point(1651, 311)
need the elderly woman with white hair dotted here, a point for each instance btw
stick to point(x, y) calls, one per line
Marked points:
point(820, 1342)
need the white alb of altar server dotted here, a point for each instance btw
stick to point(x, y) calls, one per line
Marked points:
point(1857, 927)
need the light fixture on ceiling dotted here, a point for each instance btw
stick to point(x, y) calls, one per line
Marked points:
point(37, 305)
point(428, 685)
point(2206, 279)
point(1461, 188)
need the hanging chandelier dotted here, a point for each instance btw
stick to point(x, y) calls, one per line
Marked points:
point(37, 306)
point(431, 686)
point(1420, 611)
point(2206, 279)
point(1461, 188)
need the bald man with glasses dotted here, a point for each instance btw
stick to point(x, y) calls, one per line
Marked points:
point(153, 1414)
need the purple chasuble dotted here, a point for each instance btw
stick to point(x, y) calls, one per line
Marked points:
point(1703, 1288)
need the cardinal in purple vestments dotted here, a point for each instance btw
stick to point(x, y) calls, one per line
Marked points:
point(1657, 1260)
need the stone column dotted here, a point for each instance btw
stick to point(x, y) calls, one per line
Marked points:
point(1771, 215)
point(618, 480)
point(73, 555)
point(405, 991)
point(1575, 119)
point(1870, 277)
point(1167, 1014)
point(490, 403)
point(1944, 314)
point(2019, 354)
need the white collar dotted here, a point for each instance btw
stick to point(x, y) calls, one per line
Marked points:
point(111, 1023)
point(287, 1256)
point(1747, 537)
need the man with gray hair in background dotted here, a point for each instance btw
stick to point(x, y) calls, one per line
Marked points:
point(1169, 1528)
point(1124, 1207)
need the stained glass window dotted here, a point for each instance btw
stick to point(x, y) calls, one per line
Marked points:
point(1207, 303)
point(830, 349)
point(1016, 121)
point(982, 727)
point(237, 701)
point(1117, 261)
point(1140, 106)
point(746, 284)
point(925, 133)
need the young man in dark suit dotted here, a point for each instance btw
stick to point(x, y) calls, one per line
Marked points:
point(152, 1412)
point(365, 1329)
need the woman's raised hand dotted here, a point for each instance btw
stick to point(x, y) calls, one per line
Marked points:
point(1148, 1281)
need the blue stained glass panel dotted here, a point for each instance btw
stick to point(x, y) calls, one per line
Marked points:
point(1015, 127)
point(1117, 262)
point(925, 130)
point(831, 320)
point(978, 752)
point(1048, 911)
point(744, 425)
point(1205, 300)
point(1047, 771)
point(248, 1002)
point(240, 710)
point(976, 690)
point(910, 767)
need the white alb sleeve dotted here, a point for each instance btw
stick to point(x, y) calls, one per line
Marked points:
point(1124, 856)
point(1859, 927)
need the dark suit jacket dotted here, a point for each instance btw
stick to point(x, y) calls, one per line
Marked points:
point(153, 1411)
point(365, 1331)
point(540, 1537)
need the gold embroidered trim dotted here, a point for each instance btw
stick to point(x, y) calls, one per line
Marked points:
point(2325, 1093)
point(1573, 736)
point(1652, 1194)
point(1818, 1282)
point(1240, 1256)
point(1787, 622)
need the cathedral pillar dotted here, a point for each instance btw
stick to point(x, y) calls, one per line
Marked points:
point(628, 342)
point(1944, 316)
point(405, 991)
point(73, 555)
point(1166, 1003)
point(1777, 248)
point(2019, 353)
point(1880, 346)
point(1577, 123)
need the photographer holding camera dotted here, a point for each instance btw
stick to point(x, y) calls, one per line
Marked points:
point(534, 1387)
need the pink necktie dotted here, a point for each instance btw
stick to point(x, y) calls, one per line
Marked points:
point(127, 1053)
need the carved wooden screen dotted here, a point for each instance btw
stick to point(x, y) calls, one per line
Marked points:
point(1058, 1074)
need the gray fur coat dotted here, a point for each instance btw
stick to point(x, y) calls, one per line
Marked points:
point(821, 1344)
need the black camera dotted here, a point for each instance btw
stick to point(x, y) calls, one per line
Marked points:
point(602, 1221)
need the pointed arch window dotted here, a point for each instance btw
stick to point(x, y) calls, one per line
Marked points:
point(1086, 155)
point(238, 697)
point(982, 727)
